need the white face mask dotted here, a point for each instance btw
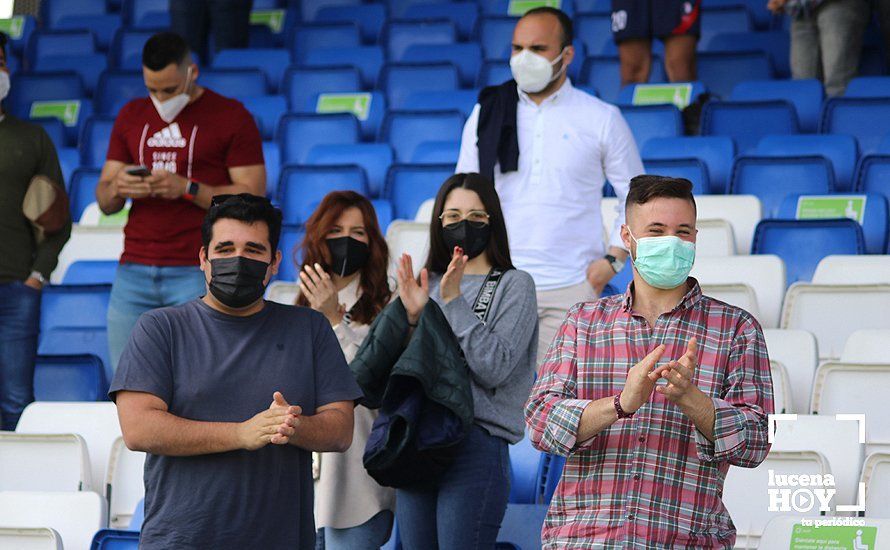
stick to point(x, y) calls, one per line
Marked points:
point(169, 109)
point(533, 72)
point(4, 85)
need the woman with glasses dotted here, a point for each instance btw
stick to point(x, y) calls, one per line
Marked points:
point(343, 276)
point(491, 308)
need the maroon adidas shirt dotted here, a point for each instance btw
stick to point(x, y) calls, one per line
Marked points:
point(208, 137)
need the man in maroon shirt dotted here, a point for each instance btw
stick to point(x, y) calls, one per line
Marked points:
point(169, 154)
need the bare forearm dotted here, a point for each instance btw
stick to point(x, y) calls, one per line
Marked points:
point(597, 416)
point(162, 433)
point(327, 431)
point(700, 409)
point(619, 253)
point(108, 202)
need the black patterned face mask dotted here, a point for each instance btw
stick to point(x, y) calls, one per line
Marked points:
point(237, 282)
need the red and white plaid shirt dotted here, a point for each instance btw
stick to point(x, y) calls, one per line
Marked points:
point(653, 480)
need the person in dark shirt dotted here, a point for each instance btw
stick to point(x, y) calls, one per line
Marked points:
point(229, 395)
point(25, 262)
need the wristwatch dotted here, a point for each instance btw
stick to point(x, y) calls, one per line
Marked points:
point(39, 276)
point(619, 410)
point(617, 265)
point(191, 190)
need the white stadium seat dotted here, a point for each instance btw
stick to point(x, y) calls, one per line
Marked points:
point(97, 423)
point(124, 484)
point(736, 294)
point(833, 312)
point(796, 350)
point(867, 346)
point(853, 270)
point(780, 530)
point(715, 238)
point(35, 462)
point(283, 292)
point(781, 388)
point(410, 237)
point(764, 274)
point(89, 243)
point(876, 476)
point(76, 516)
point(746, 496)
point(425, 211)
point(850, 388)
point(34, 538)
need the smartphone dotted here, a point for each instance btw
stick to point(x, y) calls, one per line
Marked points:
point(140, 171)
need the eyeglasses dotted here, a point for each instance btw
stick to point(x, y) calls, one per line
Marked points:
point(243, 197)
point(478, 218)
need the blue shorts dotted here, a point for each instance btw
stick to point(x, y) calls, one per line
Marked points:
point(648, 19)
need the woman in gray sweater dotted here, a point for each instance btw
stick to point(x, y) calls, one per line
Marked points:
point(491, 308)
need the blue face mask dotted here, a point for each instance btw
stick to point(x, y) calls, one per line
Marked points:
point(663, 262)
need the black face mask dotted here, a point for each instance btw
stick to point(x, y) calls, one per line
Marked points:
point(237, 281)
point(348, 255)
point(472, 238)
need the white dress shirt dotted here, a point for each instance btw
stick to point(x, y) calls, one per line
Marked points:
point(569, 145)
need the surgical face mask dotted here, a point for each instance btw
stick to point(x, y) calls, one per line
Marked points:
point(237, 282)
point(4, 85)
point(169, 109)
point(472, 238)
point(348, 255)
point(664, 262)
point(533, 72)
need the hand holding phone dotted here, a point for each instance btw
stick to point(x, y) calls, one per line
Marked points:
point(139, 171)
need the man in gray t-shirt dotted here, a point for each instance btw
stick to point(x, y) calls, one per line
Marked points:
point(229, 394)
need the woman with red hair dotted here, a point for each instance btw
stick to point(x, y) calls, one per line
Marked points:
point(343, 276)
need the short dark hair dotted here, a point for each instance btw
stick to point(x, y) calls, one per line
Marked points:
point(646, 187)
point(3, 40)
point(568, 32)
point(245, 208)
point(498, 247)
point(163, 49)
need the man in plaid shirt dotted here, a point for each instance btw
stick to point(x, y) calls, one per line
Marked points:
point(651, 395)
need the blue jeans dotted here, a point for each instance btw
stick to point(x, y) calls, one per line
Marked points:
point(139, 288)
point(466, 509)
point(370, 535)
point(19, 325)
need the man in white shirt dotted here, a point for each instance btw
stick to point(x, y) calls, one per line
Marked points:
point(569, 144)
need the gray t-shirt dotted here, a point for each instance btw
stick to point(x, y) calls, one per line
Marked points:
point(213, 367)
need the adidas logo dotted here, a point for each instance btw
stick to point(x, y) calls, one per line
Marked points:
point(168, 137)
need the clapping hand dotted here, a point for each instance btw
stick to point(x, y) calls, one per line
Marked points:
point(449, 288)
point(414, 295)
point(319, 289)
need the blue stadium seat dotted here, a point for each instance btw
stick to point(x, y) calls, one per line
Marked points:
point(21, 28)
point(308, 11)
point(436, 152)
point(80, 306)
point(406, 130)
point(604, 72)
point(370, 124)
point(136, 13)
point(368, 60)
point(869, 86)
point(77, 340)
point(126, 48)
point(725, 18)
point(400, 81)
point(805, 95)
point(110, 539)
point(384, 212)
point(374, 158)
point(521, 526)
point(82, 190)
point(89, 272)
point(463, 14)
point(262, 36)
point(874, 221)
point(803, 243)
point(748, 121)
point(872, 175)
point(54, 129)
point(45, 44)
point(653, 121)
point(370, 18)
point(452, 100)
point(595, 31)
point(303, 85)
point(691, 169)
point(308, 37)
point(302, 188)
point(103, 26)
point(88, 66)
point(716, 152)
point(401, 35)
point(494, 72)
point(840, 150)
point(117, 86)
point(291, 237)
point(52, 11)
point(408, 185)
point(69, 160)
point(94, 140)
point(857, 117)
point(626, 95)
point(495, 37)
point(272, 62)
point(268, 109)
point(776, 44)
point(299, 133)
point(773, 179)
point(721, 72)
point(525, 463)
point(272, 156)
point(597, 7)
point(69, 378)
point(138, 516)
point(246, 82)
point(467, 58)
point(29, 88)
point(551, 473)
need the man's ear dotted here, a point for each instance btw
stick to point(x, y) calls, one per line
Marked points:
point(625, 237)
point(202, 258)
point(276, 262)
point(569, 55)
